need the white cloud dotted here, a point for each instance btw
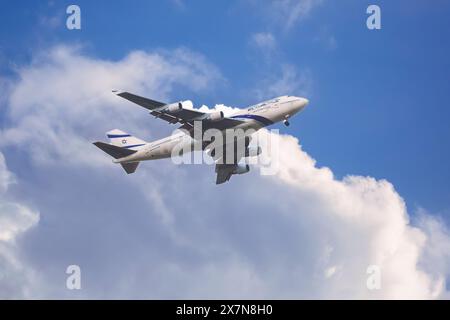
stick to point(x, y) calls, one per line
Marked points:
point(287, 13)
point(5, 176)
point(367, 223)
point(265, 45)
point(15, 219)
point(292, 11)
point(58, 114)
point(286, 81)
point(169, 232)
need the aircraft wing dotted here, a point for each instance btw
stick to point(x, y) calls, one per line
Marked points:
point(226, 170)
point(184, 116)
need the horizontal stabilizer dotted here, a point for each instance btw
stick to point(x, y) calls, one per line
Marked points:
point(130, 167)
point(114, 151)
point(224, 172)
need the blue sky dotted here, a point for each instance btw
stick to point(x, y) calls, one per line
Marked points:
point(378, 108)
point(378, 98)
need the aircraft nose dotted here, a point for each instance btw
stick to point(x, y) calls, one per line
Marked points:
point(304, 101)
point(301, 103)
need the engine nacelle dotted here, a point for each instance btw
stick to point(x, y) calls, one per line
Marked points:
point(174, 107)
point(253, 151)
point(216, 116)
point(241, 169)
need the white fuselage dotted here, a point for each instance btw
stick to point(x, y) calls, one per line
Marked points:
point(254, 117)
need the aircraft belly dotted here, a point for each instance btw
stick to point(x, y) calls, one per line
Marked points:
point(160, 152)
point(249, 124)
point(165, 150)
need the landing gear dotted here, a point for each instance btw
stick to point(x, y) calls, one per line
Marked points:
point(286, 122)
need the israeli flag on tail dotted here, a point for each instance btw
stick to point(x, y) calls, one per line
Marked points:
point(122, 139)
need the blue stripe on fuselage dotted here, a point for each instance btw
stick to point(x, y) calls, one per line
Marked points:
point(264, 121)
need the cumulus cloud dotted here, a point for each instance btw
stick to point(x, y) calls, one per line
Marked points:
point(168, 232)
point(59, 113)
point(366, 223)
point(15, 219)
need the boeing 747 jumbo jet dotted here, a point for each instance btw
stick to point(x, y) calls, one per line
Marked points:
point(129, 151)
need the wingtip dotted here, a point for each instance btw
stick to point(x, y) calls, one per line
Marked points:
point(117, 92)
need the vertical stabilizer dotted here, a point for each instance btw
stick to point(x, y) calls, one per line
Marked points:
point(124, 140)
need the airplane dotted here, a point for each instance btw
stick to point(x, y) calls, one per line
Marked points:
point(128, 150)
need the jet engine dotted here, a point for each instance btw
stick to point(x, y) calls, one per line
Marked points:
point(216, 116)
point(241, 169)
